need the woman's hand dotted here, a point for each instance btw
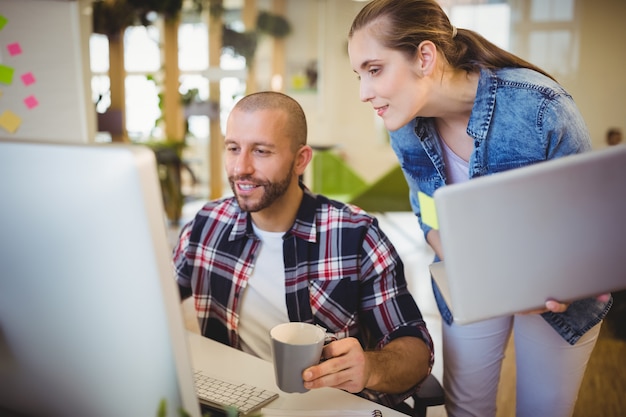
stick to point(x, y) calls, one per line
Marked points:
point(558, 307)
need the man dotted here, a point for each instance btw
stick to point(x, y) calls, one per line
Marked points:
point(274, 252)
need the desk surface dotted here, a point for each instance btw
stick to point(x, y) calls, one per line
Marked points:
point(234, 365)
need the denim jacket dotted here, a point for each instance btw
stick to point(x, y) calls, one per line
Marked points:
point(520, 117)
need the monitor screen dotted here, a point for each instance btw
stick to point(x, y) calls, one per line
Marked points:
point(90, 318)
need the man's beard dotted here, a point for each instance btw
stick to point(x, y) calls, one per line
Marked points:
point(272, 192)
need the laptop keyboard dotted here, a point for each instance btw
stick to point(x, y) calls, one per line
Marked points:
point(222, 394)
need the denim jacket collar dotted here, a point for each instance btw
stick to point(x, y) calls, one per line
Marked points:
point(482, 112)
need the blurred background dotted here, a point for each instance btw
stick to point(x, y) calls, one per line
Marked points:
point(300, 47)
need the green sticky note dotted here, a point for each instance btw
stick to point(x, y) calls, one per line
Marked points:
point(429, 212)
point(3, 21)
point(6, 74)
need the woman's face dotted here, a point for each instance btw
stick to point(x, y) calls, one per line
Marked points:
point(388, 80)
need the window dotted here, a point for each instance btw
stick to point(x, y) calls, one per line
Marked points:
point(493, 21)
point(143, 66)
point(543, 32)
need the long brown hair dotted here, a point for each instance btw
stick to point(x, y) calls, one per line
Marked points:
point(403, 24)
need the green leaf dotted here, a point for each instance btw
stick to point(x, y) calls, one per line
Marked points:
point(162, 410)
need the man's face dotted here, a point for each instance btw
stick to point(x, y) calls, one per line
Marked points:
point(259, 158)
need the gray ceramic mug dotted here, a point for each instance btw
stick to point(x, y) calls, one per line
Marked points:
point(295, 347)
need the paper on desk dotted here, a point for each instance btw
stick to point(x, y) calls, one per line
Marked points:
point(272, 412)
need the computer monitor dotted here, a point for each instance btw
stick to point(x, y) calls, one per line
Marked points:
point(90, 318)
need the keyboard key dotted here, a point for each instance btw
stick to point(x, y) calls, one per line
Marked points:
point(220, 394)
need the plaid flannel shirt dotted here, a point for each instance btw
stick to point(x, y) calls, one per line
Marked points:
point(341, 272)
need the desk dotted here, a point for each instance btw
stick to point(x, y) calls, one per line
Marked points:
point(232, 364)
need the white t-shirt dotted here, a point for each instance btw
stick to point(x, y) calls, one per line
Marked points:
point(457, 169)
point(263, 304)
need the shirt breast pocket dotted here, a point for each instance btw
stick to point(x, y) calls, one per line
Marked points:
point(335, 301)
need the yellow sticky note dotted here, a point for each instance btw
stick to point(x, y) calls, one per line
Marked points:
point(429, 212)
point(10, 121)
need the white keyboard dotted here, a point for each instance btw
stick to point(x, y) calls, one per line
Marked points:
point(222, 394)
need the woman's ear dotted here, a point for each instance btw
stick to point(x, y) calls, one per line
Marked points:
point(426, 57)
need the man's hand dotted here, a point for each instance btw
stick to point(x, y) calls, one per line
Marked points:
point(398, 366)
point(343, 366)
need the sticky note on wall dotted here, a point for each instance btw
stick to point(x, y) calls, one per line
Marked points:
point(28, 78)
point(428, 209)
point(31, 102)
point(14, 49)
point(10, 121)
point(6, 74)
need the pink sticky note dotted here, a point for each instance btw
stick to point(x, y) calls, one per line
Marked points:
point(14, 49)
point(31, 102)
point(28, 78)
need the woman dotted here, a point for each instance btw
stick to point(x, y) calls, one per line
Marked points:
point(458, 107)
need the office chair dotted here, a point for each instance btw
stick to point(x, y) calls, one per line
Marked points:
point(430, 394)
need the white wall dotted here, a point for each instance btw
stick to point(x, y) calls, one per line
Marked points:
point(53, 37)
point(599, 87)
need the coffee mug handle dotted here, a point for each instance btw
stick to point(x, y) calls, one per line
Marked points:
point(330, 337)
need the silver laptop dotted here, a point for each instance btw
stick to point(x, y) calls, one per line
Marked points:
point(553, 230)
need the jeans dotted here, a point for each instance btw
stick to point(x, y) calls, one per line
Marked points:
point(549, 370)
